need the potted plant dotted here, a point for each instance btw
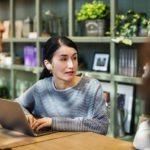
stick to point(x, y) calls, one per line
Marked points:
point(130, 24)
point(127, 24)
point(143, 25)
point(94, 16)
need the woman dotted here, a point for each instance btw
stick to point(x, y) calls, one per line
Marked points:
point(61, 99)
point(142, 138)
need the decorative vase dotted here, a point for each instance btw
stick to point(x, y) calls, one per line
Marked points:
point(95, 27)
point(143, 31)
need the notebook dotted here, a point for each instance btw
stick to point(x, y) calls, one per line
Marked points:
point(12, 117)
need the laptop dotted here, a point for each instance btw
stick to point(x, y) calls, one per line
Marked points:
point(12, 117)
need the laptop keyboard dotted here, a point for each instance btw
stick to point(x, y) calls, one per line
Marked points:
point(44, 130)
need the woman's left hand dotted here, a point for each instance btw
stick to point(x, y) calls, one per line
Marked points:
point(41, 123)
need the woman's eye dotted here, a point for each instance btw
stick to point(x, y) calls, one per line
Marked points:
point(75, 58)
point(63, 59)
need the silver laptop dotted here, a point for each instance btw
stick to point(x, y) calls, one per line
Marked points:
point(12, 117)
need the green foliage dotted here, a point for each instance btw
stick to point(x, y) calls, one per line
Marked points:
point(94, 10)
point(128, 24)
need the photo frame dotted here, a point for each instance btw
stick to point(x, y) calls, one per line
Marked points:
point(100, 62)
point(106, 91)
point(125, 100)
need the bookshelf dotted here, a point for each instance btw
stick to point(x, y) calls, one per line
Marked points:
point(16, 75)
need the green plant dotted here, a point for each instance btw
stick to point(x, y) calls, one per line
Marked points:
point(143, 20)
point(128, 24)
point(94, 10)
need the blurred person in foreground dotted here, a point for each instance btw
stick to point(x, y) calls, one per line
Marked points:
point(1, 33)
point(142, 137)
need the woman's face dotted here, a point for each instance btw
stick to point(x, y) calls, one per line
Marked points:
point(64, 63)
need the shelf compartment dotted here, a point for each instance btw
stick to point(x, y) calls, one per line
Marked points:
point(87, 39)
point(130, 80)
point(6, 67)
point(34, 70)
point(97, 75)
point(24, 40)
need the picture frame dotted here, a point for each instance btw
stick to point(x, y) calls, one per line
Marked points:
point(125, 100)
point(100, 62)
point(106, 91)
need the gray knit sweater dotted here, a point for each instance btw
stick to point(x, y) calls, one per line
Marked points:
point(79, 108)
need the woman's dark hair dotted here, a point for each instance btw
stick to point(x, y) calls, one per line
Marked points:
point(49, 49)
point(146, 94)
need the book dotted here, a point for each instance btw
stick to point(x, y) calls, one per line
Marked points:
point(30, 53)
point(127, 62)
point(125, 100)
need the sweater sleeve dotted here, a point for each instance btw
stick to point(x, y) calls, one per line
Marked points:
point(26, 100)
point(97, 122)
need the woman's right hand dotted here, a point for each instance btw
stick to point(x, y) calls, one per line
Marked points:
point(31, 119)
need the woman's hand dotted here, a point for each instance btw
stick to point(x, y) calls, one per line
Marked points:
point(30, 119)
point(41, 123)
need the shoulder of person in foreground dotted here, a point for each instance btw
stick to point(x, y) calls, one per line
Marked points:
point(142, 138)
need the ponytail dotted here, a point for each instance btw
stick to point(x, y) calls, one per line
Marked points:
point(45, 73)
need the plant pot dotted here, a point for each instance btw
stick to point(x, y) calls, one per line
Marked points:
point(81, 28)
point(143, 31)
point(95, 27)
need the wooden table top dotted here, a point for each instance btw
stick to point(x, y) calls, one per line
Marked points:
point(62, 141)
point(11, 139)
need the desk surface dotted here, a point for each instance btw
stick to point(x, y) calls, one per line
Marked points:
point(83, 141)
point(62, 140)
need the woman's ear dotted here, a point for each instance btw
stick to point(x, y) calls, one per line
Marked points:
point(48, 65)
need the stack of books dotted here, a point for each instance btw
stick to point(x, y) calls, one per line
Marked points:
point(127, 62)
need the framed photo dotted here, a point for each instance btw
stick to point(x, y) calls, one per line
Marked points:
point(100, 62)
point(125, 100)
point(106, 91)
